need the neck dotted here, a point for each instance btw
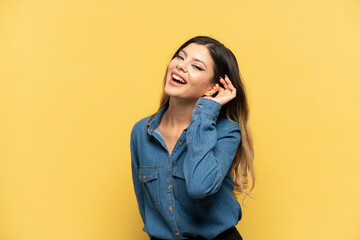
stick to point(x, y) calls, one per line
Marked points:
point(179, 113)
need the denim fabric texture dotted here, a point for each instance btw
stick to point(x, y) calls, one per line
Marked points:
point(188, 193)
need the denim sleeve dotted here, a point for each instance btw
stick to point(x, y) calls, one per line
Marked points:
point(139, 192)
point(210, 153)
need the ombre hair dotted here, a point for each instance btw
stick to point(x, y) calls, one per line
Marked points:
point(236, 110)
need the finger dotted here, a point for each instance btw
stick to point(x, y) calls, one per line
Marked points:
point(217, 86)
point(221, 89)
point(231, 86)
point(223, 82)
point(228, 80)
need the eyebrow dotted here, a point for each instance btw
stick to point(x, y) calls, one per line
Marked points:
point(198, 60)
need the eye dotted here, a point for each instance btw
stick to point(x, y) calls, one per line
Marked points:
point(198, 68)
point(180, 57)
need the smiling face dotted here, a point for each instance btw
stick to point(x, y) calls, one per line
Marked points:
point(189, 74)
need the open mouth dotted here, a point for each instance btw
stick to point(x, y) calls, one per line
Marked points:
point(177, 79)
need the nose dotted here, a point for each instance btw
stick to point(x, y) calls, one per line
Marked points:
point(181, 66)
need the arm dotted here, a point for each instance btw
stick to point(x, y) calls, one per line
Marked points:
point(210, 153)
point(139, 192)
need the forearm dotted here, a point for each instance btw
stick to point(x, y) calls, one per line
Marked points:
point(210, 153)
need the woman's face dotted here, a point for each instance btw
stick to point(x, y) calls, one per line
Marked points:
point(189, 73)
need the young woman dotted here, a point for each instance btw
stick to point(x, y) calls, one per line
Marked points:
point(193, 155)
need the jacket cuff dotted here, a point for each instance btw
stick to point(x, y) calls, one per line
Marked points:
point(207, 106)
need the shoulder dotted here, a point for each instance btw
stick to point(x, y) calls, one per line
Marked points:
point(141, 123)
point(139, 126)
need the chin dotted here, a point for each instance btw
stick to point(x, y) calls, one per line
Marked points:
point(170, 90)
point(172, 93)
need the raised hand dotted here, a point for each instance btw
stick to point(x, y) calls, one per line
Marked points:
point(224, 94)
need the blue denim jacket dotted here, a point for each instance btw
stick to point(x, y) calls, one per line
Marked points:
point(187, 194)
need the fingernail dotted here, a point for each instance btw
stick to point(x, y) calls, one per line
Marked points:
point(226, 75)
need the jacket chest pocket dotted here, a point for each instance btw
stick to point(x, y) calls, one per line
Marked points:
point(149, 178)
point(181, 193)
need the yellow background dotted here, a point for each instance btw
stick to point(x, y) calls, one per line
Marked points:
point(76, 75)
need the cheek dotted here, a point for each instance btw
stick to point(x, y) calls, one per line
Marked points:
point(170, 67)
point(202, 81)
point(172, 63)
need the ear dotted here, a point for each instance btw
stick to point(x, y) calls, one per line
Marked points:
point(212, 90)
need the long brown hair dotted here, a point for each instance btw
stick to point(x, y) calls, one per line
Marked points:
point(236, 110)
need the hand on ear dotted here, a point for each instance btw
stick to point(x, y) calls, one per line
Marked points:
point(211, 91)
point(225, 94)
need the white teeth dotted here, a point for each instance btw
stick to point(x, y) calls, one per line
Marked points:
point(178, 78)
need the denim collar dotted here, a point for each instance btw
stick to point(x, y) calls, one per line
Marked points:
point(154, 122)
